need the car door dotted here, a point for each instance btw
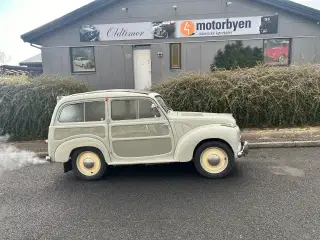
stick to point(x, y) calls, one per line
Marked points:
point(138, 132)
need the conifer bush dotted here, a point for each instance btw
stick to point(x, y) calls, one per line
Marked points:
point(261, 96)
point(235, 55)
point(26, 104)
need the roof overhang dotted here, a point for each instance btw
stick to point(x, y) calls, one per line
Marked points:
point(69, 18)
point(98, 5)
point(293, 8)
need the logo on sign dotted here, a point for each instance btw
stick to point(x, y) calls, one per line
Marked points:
point(187, 28)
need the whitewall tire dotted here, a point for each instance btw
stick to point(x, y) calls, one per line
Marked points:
point(88, 164)
point(214, 159)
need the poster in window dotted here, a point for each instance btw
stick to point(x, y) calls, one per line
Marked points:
point(83, 59)
point(277, 51)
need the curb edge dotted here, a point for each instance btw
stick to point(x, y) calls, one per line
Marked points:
point(291, 144)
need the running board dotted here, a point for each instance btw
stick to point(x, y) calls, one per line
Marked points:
point(142, 162)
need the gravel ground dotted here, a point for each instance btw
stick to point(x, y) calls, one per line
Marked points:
point(272, 194)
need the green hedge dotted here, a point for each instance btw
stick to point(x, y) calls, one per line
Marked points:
point(26, 104)
point(258, 97)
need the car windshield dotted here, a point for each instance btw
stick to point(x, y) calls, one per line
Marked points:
point(163, 104)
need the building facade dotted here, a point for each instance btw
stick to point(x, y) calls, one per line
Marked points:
point(135, 43)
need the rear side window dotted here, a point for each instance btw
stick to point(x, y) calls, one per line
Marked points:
point(83, 112)
point(72, 113)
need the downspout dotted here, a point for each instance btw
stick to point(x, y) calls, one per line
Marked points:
point(38, 47)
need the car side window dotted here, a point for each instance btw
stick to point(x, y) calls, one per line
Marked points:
point(95, 111)
point(123, 109)
point(146, 110)
point(83, 112)
point(133, 109)
point(72, 113)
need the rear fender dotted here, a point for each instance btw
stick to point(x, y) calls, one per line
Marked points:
point(64, 150)
point(187, 144)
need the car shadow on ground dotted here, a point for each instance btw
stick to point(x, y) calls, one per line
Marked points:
point(153, 179)
point(157, 172)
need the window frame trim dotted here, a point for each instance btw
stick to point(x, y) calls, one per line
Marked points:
point(171, 45)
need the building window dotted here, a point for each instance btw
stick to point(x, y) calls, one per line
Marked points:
point(175, 56)
point(82, 59)
point(277, 51)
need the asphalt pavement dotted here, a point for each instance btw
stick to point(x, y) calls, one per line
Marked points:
point(272, 194)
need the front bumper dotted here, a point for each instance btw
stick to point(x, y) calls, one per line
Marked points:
point(244, 149)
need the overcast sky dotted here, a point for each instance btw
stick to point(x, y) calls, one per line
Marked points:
point(20, 16)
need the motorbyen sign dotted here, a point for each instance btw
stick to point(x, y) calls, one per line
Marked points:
point(180, 29)
point(228, 26)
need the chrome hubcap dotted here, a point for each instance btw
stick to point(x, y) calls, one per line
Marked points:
point(88, 163)
point(214, 159)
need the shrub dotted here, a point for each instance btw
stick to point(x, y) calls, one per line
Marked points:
point(235, 55)
point(258, 97)
point(26, 105)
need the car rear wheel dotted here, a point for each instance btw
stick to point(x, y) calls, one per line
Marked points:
point(88, 164)
point(214, 159)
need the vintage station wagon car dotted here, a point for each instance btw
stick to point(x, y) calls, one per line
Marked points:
point(91, 131)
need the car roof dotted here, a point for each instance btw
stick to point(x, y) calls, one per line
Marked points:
point(106, 93)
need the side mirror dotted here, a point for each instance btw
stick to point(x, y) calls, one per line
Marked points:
point(153, 106)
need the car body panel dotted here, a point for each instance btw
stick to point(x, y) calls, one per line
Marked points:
point(63, 151)
point(190, 140)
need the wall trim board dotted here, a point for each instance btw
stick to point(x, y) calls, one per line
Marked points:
point(182, 42)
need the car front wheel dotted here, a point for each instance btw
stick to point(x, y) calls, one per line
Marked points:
point(88, 164)
point(214, 159)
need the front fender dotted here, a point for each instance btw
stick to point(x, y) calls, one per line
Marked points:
point(187, 144)
point(64, 150)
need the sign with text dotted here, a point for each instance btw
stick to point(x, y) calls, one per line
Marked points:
point(228, 26)
point(180, 29)
point(116, 32)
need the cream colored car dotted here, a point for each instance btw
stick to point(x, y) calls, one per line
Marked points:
point(91, 131)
